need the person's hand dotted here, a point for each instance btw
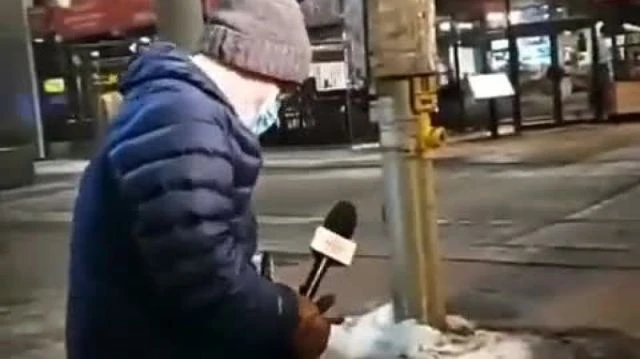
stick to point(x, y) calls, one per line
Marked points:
point(312, 334)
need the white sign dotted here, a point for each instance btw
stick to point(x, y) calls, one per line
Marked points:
point(488, 86)
point(329, 75)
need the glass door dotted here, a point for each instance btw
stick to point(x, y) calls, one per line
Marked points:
point(576, 86)
point(536, 80)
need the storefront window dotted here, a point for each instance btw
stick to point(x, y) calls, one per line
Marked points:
point(499, 55)
point(538, 12)
point(628, 61)
point(565, 9)
point(530, 14)
point(496, 20)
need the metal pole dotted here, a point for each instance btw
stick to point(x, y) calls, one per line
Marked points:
point(394, 172)
point(348, 91)
point(404, 51)
point(458, 76)
point(599, 73)
point(180, 22)
point(40, 140)
point(493, 123)
point(557, 67)
point(557, 75)
point(514, 69)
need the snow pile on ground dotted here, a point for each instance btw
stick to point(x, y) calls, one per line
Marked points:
point(376, 336)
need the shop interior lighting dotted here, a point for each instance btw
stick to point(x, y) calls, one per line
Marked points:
point(465, 25)
point(445, 26)
point(631, 27)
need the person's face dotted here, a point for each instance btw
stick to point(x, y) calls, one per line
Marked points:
point(269, 113)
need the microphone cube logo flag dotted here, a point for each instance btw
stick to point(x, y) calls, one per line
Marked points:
point(334, 246)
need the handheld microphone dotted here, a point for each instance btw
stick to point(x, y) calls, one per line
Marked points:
point(263, 262)
point(331, 245)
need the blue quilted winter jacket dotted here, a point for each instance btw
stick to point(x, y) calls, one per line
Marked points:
point(163, 232)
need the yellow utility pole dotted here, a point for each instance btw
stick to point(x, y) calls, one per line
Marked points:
point(180, 22)
point(404, 65)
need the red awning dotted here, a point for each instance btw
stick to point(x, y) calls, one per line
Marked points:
point(209, 6)
point(96, 17)
point(133, 14)
point(88, 19)
point(39, 21)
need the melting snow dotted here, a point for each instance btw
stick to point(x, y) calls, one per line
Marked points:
point(376, 336)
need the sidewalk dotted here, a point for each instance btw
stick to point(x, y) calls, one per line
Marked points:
point(505, 297)
point(579, 313)
point(553, 146)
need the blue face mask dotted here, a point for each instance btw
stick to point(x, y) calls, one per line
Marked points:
point(267, 117)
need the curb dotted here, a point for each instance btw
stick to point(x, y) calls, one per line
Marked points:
point(69, 169)
point(378, 163)
point(321, 165)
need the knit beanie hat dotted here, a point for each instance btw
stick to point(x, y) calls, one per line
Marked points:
point(266, 37)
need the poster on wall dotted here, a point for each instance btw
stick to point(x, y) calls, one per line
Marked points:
point(330, 76)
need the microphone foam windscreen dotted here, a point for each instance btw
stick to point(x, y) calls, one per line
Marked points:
point(342, 219)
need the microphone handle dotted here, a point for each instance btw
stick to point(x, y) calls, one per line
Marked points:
point(312, 284)
point(266, 266)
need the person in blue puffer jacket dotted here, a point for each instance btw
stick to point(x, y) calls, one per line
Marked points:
point(163, 233)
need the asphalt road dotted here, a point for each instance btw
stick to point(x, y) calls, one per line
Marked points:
point(575, 216)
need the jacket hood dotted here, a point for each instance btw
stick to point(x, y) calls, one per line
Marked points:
point(162, 60)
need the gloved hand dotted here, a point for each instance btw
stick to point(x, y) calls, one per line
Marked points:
point(312, 334)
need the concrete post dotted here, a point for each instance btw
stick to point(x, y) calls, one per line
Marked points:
point(21, 138)
point(180, 22)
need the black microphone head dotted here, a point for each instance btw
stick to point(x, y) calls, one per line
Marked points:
point(342, 219)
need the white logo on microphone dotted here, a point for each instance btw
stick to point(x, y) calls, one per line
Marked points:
point(334, 246)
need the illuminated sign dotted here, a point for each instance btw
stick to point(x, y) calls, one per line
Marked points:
point(54, 86)
point(105, 79)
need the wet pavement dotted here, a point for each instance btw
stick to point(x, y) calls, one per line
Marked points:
point(33, 265)
point(550, 248)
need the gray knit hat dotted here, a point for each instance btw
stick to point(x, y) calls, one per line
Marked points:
point(266, 37)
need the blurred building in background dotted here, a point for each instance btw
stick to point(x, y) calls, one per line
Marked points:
point(570, 60)
point(82, 46)
point(333, 105)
